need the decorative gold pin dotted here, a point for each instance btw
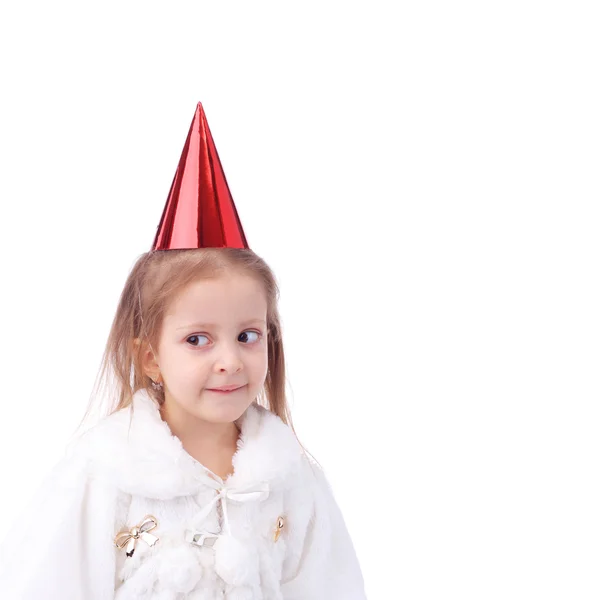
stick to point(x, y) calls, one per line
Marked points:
point(280, 524)
point(130, 538)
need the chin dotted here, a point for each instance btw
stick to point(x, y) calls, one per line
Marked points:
point(223, 409)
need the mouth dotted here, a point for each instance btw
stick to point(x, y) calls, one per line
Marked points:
point(228, 389)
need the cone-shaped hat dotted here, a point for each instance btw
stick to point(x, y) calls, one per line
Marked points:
point(199, 212)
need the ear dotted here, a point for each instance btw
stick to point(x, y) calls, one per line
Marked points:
point(148, 360)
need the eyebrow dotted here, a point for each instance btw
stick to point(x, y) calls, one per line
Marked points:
point(212, 325)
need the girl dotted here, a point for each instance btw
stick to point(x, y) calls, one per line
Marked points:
point(194, 485)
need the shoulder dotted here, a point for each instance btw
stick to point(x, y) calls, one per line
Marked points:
point(275, 443)
point(97, 441)
point(310, 472)
point(313, 490)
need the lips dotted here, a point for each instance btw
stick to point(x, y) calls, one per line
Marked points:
point(226, 389)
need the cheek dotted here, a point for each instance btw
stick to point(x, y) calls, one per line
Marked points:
point(260, 366)
point(185, 367)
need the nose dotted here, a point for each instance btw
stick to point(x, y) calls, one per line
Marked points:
point(228, 360)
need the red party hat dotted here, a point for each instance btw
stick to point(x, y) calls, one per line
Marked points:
point(199, 212)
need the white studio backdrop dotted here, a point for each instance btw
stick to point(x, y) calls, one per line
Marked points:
point(423, 179)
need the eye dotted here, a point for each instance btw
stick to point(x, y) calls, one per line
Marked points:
point(196, 337)
point(244, 336)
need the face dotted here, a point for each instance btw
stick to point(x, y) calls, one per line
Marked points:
point(214, 334)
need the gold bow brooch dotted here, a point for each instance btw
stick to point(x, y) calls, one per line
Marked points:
point(130, 538)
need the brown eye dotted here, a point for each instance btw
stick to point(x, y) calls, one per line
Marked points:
point(196, 337)
point(244, 336)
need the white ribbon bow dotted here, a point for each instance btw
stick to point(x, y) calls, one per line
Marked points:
point(255, 492)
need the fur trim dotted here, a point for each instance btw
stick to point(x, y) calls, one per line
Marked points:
point(135, 450)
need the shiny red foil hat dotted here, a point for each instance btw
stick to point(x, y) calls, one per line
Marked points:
point(199, 212)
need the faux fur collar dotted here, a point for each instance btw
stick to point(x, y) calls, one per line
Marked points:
point(136, 450)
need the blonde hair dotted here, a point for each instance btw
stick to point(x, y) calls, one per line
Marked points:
point(155, 280)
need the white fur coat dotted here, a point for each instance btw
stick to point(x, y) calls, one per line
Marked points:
point(272, 530)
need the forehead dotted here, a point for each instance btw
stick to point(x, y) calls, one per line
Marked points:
point(225, 298)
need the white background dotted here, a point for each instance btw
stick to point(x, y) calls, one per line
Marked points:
point(423, 179)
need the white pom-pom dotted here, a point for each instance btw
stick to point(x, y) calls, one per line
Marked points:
point(179, 570)
point(236, 563)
